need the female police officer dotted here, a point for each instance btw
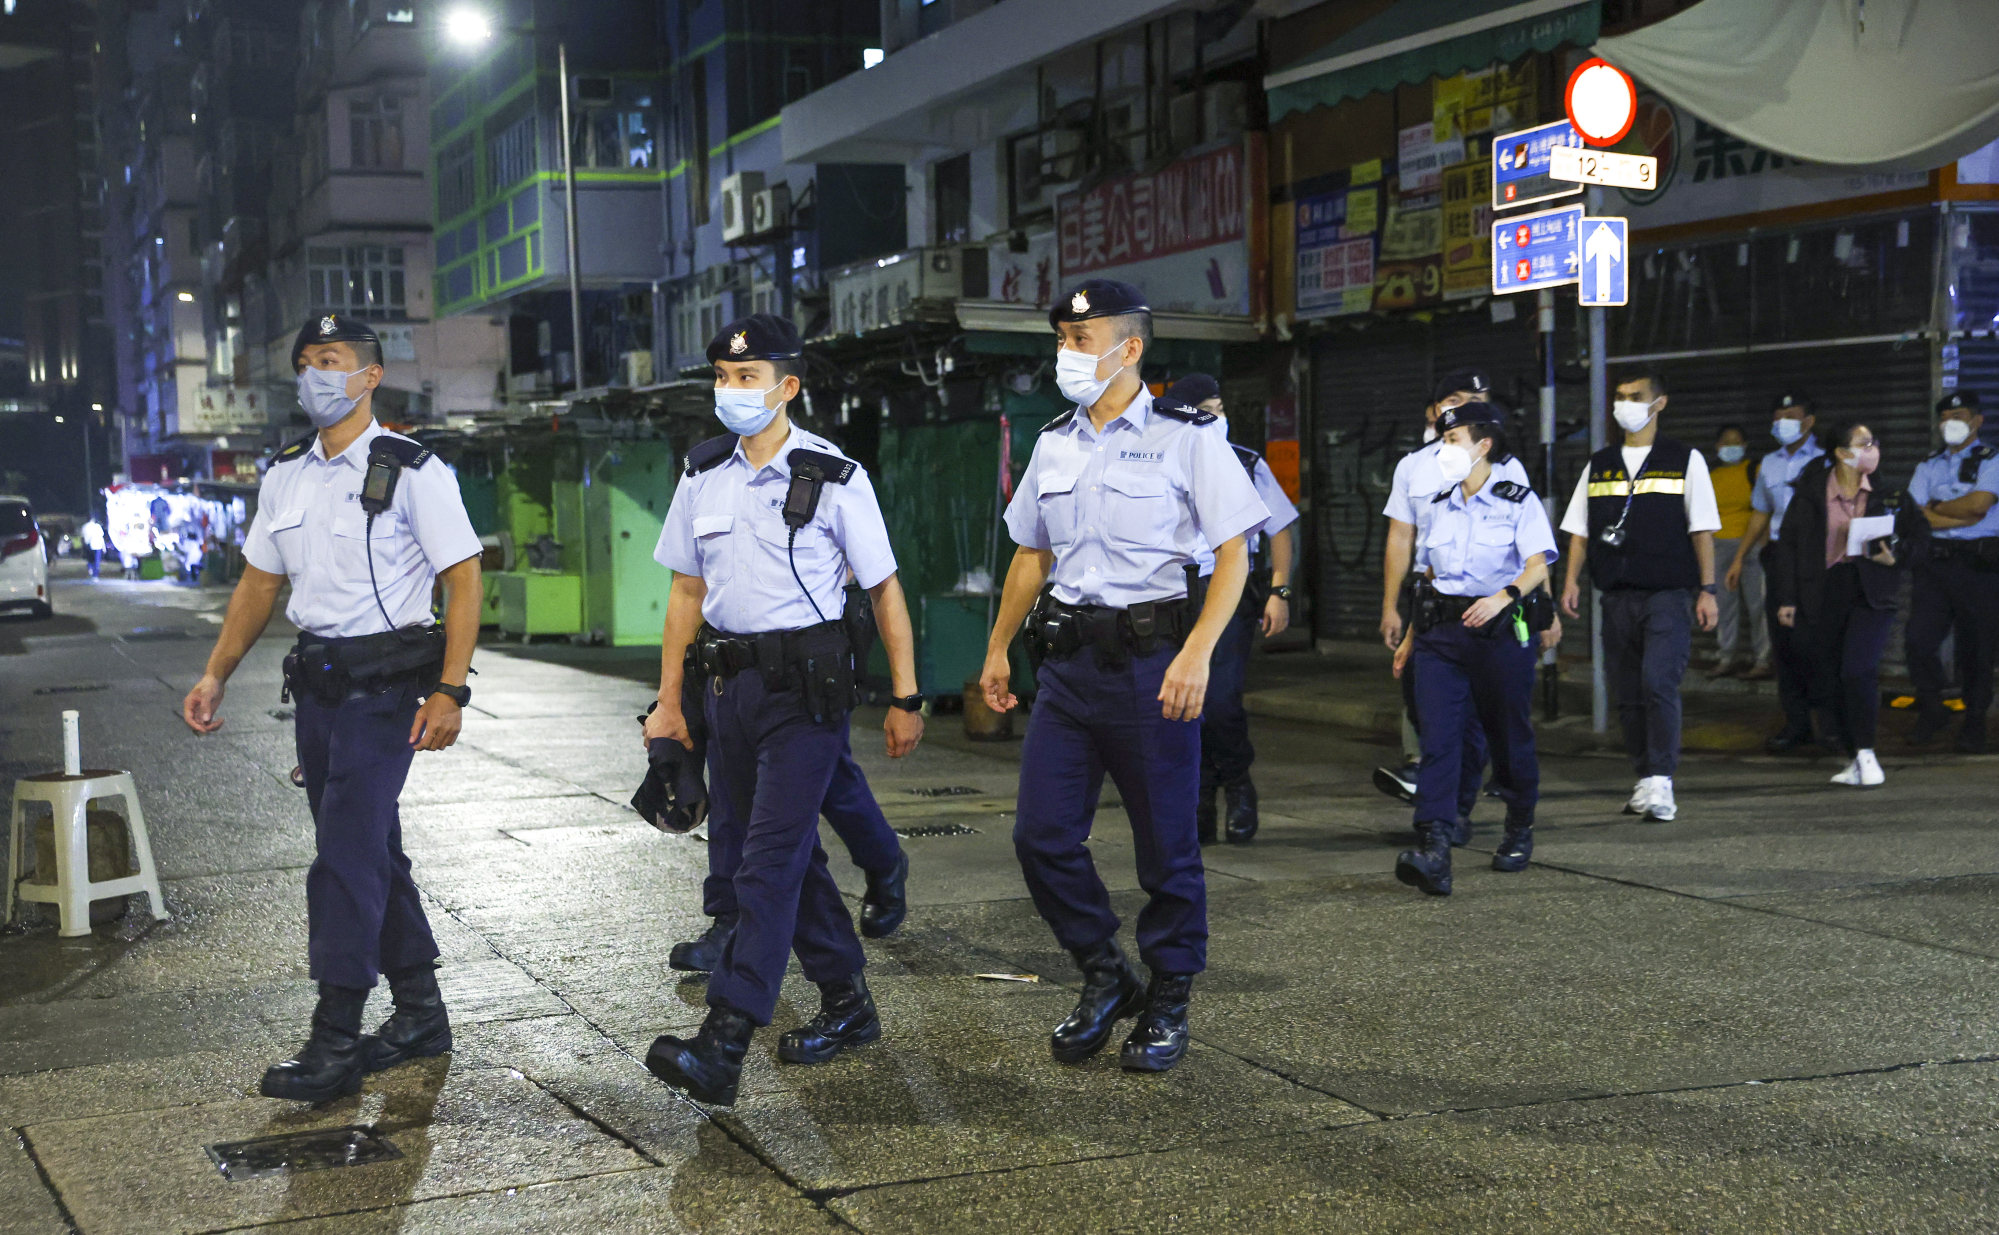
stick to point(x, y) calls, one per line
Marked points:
point(1487, 546)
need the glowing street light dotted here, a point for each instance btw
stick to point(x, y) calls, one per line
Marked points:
point(185, 297)
point(467, 27)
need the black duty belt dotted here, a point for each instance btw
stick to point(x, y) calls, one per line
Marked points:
point(329, 669)
point(1056, 630)
point(817, 660)
point(1982, 552)
point(1434, 609)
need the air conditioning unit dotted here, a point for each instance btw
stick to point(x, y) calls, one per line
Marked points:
point(736, 193)
point(593, 91)
point(770, 210)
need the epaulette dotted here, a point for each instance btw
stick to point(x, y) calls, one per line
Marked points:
point(295, 449)
point(1174, 410)
point(1443, 495)
point(1967, 471)
point(1060, 422)
point(1247, 457)
point(710, 453)
point(409, 452)
point(838, 470)
point(1511, 490)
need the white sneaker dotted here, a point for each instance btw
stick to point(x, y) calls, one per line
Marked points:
point(1641, 798)
point(1863, 772)
point(1662, 807)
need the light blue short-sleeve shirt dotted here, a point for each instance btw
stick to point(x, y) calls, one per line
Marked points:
point(1126, 509)
point(1418, 479)
point(1939, 478)
point(1476, 546)
point(1282, 513)
point(1772, 494)
point(726, 527)
point(310, 528)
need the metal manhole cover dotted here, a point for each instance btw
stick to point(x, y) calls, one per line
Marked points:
point(937, 829)
point(72, 690)
point(157, 634)
point(301, 1151)
point(947, 791)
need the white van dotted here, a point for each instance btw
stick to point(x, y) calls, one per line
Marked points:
point(24, 566)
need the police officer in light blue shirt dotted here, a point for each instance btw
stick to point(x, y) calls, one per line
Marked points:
point(1485, 546)
point(1791, 423)
point(362, 522)
point(763, 530)
point(1116, 503)
point(1956, 589)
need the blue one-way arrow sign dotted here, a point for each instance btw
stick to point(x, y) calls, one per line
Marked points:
point(1606, 273)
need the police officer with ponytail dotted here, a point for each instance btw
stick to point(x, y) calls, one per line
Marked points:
point(1485, 550)
point(763, 530)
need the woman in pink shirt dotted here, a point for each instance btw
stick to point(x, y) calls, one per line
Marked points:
point(1842, 604)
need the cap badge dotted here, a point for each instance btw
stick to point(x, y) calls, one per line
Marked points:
point(1080, 303)
point(327, 325)
point(739, 344)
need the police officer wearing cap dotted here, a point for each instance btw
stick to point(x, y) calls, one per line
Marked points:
point(1120, 494)
point(1957, 581)
point(1226, 751)
point(762, 533)
point(1415, 483)
point(1792, 425)
point(361, 522)
point(1486, 545)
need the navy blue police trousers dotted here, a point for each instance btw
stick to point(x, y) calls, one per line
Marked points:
point(769, 767)
point(1467, 678)
point(1089, 720)
point(364, 915)
point(1226, 752)
point(850, 809)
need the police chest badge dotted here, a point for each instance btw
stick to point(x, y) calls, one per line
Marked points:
point(1080, 303)
point(739, 344)
point(327, 325)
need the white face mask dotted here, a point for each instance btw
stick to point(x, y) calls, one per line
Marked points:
point(1455, 462)
point(1731, 454)
point(1956, 432)
point(1787, 430)
point(743, 412)
point(1631, 415)
point(1076, 374)
point(323, 395)
point(1429, 434)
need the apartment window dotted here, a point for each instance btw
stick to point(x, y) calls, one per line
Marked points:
point(364, 280)
point(375, 129)
point(510, 154)
point(616, 140)
point(457, 179)
point(951, 200)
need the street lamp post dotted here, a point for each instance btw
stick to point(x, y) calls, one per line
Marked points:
point(469, 27)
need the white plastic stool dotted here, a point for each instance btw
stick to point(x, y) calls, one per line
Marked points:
point(69, 797)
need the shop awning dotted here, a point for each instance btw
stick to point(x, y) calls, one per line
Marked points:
point(1420, 39)
point(1009, 318)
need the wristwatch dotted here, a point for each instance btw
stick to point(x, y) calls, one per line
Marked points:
point(908, 703)
point(460, 695)
point(1711, 589)
point(1513, 591)
point(1282, 592)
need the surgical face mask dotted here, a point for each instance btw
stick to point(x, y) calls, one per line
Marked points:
point(1731, 454)
point(1956, 432)
point(1455, 462)
point(1076, 374)
point(323, 395)
point(743, 412)
point(1631, 415)
point(1787, 430)
point(1863, 460)
point(1429, 434)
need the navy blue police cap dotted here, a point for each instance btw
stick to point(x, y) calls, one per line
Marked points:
point(1097, 298)
point(760, 336)
point(1791, 400)
point(1476, 412)
point(1468, 381)
point(333, 328)
point(1966, 399)
point(1194, 389)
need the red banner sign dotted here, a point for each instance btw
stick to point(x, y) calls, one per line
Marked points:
point(1184, 206)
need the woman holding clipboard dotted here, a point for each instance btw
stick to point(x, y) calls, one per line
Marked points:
point(1837, 578)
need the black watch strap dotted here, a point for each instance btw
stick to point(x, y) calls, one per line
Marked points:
point(1711, 589)
point(461, 695)
point(1282, 591)
point(908, 703)
point(1513, 591)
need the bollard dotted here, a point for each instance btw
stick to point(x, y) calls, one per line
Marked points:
point(72, 746)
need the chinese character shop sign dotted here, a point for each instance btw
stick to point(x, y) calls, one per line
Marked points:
point(1181, 234)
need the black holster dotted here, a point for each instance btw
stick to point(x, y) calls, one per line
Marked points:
point(818, 661)
point(328, 670)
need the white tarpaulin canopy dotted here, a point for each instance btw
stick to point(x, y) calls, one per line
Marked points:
point(1901, 85)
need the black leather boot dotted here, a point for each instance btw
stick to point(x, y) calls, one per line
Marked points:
point(1516, 847)
point(885, 904)
point(1160, 1038)
point(846, 1018)
point(1241, 799)
point(704, 955)
point(1429, 866)
point(1111, 992)
point(329, 1066)
point(1204, 815)
point(710, 1065)
point(417, 1029)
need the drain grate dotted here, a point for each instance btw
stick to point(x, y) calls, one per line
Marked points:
point(946, 791)
point(936, 829)
point(157, 634)
point(85, 689)
point(301, 1151)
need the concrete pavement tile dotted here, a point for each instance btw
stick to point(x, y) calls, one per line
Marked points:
point(466, 774)
point(1907, 1152)
point(459, 1131)
point(438, 825)
point(1960, 912)
point(26, 1205)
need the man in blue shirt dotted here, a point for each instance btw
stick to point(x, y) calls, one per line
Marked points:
point(1119, 497)
point(1791, 423)
point(1956, 589)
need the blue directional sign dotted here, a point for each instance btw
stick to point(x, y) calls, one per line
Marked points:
point(1520, 166)
point(1531, 251)
point(1606, 272)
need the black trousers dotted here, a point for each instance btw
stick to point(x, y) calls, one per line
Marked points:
point(1790, 656)
point(1848, 639)
point(1647, 638)
point(1952, 597)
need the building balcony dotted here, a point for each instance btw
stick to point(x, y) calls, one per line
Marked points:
point(365, 199)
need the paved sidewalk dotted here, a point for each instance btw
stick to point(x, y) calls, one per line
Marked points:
point(1777, 1014)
